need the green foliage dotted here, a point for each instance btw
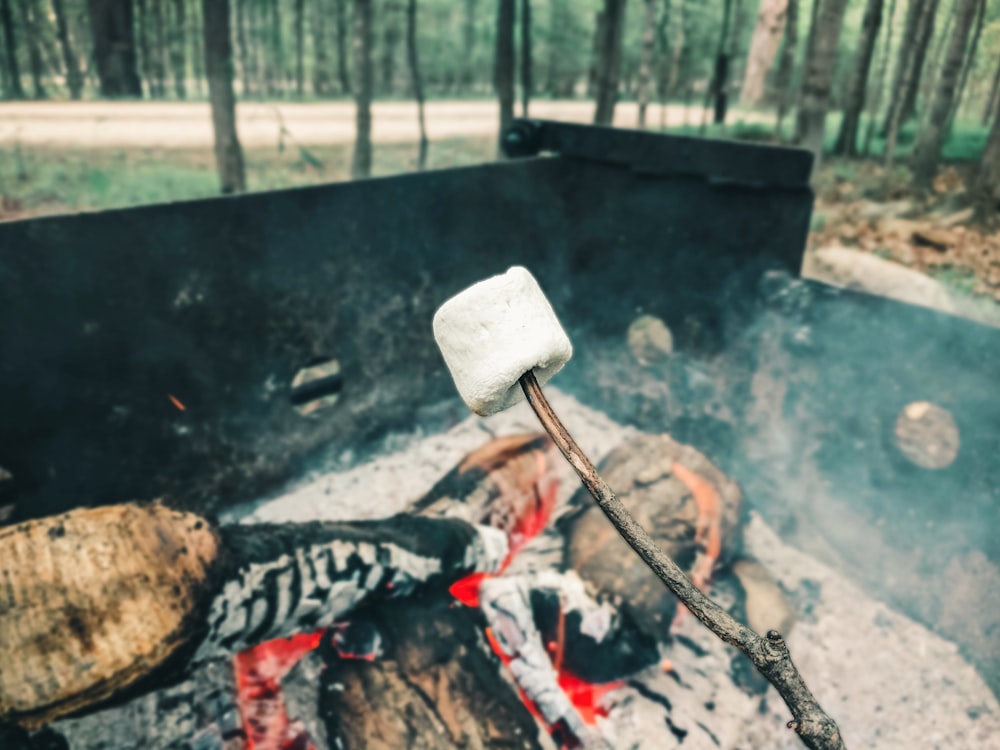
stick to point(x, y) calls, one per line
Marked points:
point(960, 278)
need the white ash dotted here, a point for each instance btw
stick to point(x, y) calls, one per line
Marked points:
point(389, 484)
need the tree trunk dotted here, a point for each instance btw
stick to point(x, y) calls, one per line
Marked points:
point(321, 79)
point(970, 60)
point(178, 60)
point(676, 50)
point(468, 44)
point(609, 62)
point(30, 21)
point(300, 70)
point(897, 108)
point(646, 59)
point(246, 75)
point(504, 65)
point(879, 87)
point(810, 51)
point(595, 56)
point(415, 80)
point(114, 47)
point(219, 69)
point(343, 73)
point(993, 96)
point(783, 78)
point(928, 83)
point(276, 53)
point(15, 90)
point(364, 79)
point(920, 49)
point(717, 87)
point(142, 30)
point(987, 182)
point(390, 46)
point(763, 48)
point(927, 153)
point(818, 82)
point(847, 139)
point(159, 66)
point(527, 85)
point(74, 81)
point(197, 36)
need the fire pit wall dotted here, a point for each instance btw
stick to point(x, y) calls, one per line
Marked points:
point(152, 352)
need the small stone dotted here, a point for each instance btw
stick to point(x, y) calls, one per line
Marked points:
point(649, 340)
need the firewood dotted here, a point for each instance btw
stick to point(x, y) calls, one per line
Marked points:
point(100, 602)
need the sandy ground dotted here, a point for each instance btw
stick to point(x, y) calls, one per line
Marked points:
point(188, 124)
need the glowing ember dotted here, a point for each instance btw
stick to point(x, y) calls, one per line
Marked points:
point(258, 683)
point(708, 530)
point(526, 527)
point(176, 402)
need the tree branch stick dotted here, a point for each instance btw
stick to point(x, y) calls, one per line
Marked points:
point(769, 654)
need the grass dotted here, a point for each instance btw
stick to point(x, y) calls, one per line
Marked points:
point(965, 142)
point(49, 180)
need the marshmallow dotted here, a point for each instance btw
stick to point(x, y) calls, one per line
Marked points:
point(493, 333)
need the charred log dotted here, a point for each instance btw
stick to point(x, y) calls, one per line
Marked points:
point(437, 687)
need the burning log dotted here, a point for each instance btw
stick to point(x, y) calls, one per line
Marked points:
point(105, 602)
point(436, 687)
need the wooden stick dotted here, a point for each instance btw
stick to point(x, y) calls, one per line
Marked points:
point(769, 654)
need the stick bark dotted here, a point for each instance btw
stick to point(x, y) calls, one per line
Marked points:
point(769, 653)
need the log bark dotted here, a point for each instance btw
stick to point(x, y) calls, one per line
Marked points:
point(847, 138)
point(818, 78)
point(416, 81)
point(504, 64)
point(927, 153)
point(767, 35)
point(219, 68)
point(437, 687)
point(609, 61)
point(114, 48)
point(390, 47)
point(364, 74)
point(646, 59)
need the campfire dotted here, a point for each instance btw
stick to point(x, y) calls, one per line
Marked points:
point(411, 576)
point(427, 663)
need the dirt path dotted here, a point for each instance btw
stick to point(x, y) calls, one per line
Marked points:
point(188, 124)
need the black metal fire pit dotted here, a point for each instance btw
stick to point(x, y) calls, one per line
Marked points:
point(159, 351)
